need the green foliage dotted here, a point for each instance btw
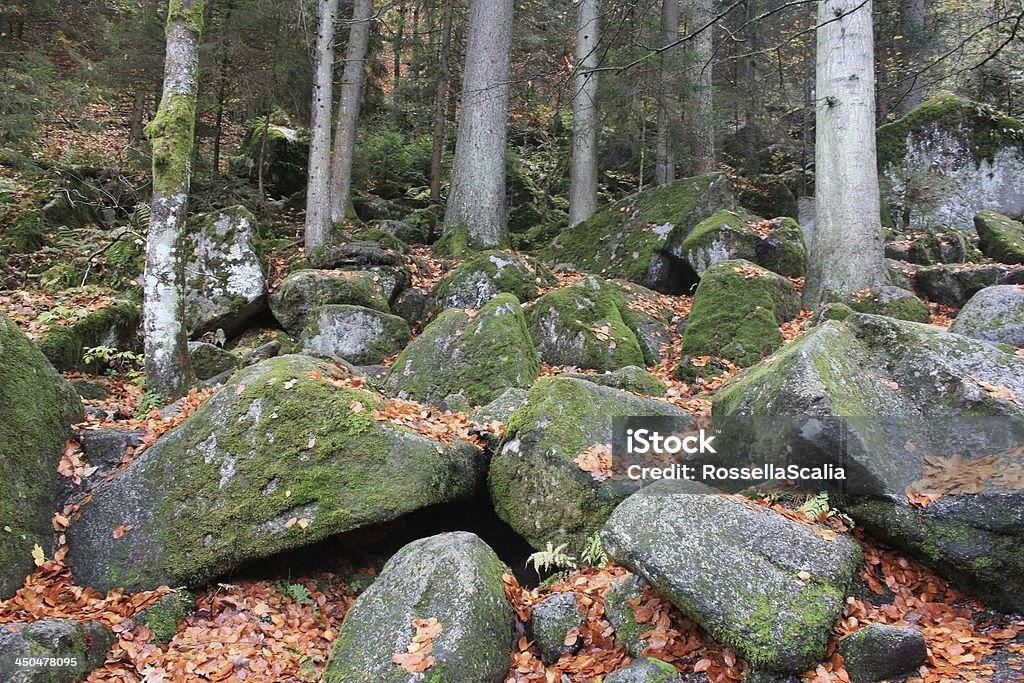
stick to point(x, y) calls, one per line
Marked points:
point(150, 401)
point(552, 557)
point(117, 362)
point(594, 554)
point(819, 508)
point(390, 164)
point(24, 81)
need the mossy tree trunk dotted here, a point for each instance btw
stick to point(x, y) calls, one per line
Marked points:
point(476, 199)
point(348, 107)
point(583, 175)
point(847, 251)
point(664, 158)
point(318, 216)
point(444, 52)
point(172, 134)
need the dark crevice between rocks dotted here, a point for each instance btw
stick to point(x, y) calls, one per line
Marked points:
point(348, 553)
point(678, 277)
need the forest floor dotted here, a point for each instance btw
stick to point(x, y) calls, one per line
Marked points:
point(280, 626)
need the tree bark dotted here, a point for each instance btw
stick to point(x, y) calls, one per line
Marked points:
point(172, 135)
point(913, 30)
point(583, 172)
point(444, 53)
point(348, 108)
point(701, 112)
point(668, 97)
point(847, 245)
point(318, 207)
point(476, 199)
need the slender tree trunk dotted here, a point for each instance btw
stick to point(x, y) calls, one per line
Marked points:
point(138, 114)
point(668, 102)
point(913, 30)
point(263, 154)
point(747, 68)
point(348, 108)
point(396, 66)
point(847, 246)
point(441, 99)
point(172, 135)
point(218, 128)
point(476, 200)
point(318, 205)
point(701, 112)
point(583, 173)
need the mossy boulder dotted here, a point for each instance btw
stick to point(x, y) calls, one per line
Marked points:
point(1000, 238)
point(162, 617)
point(619, 601)
point(86, 644)
point(415, 232)
point(760, 583)
point(411, 305)
point(284, 153)
point(488, 274)
point(210, 360)
point(630, 378)
point(880, 652)
point(279, 458)
point(116, 327)
point(479, 356)
point(301, 294)
point(536, 485)
point(948, 159)
point(777, 245)
point(645, 670)
point(355, 334)
point(736, 312)
point(954, 284)
point(640, 238)
point(501, 408)
point(582, 326)
point(894, 302)
point(225, 286)
point(550, 620)
point(37, 408)
point(994, 314)
point(358, 254)
point(884, 398)
point(644, 313)
point(454, 578)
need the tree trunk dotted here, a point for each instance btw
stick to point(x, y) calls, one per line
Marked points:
point(847, 247)
point(912, 28)
point(664, 156)
point(476, 200)
point(583, 173)
point(138, 114)
point(172, 135)
point(348, 108)
point(218, 126)
point(441, 100)
point(700, 112)
point(318, 205)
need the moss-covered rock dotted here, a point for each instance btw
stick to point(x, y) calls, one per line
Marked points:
point(582, 326)
point(894, 302)
point(453, 578)
point(760, 583)
point(301, 294)
point(994, 314)
point(225, 285)
point(115, 326)
point(162, 617)
point(736, 312)
point(777, 245)
point(210, 360)
point(501, 408)
point(357, 254)
point(415, 232)
point(85, 644)
point(536, 485)
point(692, 370)
point(285, 157)
point(550, 620)
point(879, 397)
point(619, 600)
point(37, 407)
point(358, 335)
point(411, 305)
point(880, 652)
point(645, 670)
point(630, 378)
point(953, 285)
point(644, 314)
point(488, 274)
point(640, 237)
point(279, 458)
point(948, 159)
point(1000, 238)
point(478, 357)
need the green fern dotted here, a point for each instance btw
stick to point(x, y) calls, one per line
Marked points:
point(594, 554)
point(551, 558)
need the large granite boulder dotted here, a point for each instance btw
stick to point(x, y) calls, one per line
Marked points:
point(37, 409)
point(82, 648)
point(450, 584)
point(537, 487)
point(225, 285)
point(948, 159)
point(994, 314)
point(906, 409)
point(1000, 238)
point(954, 284)
point(354, 334)
point(283, 153)
point(767, 586)
point(279, 458)
point(478, 357)
point(302, 293)
point(488, 274)
point(777, 245)
point(640, 238)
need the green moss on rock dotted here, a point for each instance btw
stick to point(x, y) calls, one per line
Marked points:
point(777, 245)
point(115, 326)
point(482, 277)
point(301, 294)
point(1000, 238)
point(891, 301)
